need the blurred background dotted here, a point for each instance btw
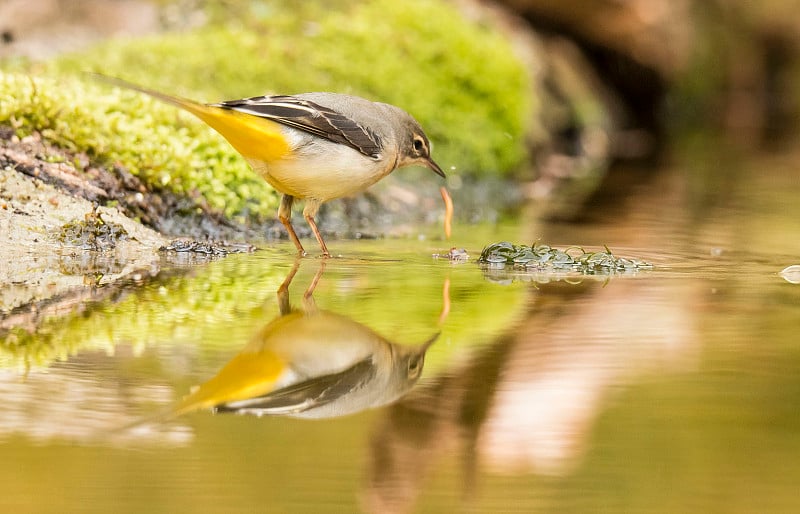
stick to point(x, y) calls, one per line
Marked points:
point(547, 94)
point(664, 131)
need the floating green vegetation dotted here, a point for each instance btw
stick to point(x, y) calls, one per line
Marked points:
point(539, 258)
point(215, 248)
point(93, 233)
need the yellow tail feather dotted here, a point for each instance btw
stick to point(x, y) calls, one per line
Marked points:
point(253, 137)
point(246, 376)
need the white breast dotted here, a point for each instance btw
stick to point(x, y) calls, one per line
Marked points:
point(322, 169)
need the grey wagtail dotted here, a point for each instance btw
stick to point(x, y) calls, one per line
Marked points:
point(307, 363)
point(310, 363)
point(312, 146)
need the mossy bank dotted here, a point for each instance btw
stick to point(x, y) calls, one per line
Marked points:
point(460, 78)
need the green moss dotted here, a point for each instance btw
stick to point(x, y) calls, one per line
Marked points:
point(538, 258)
point(147, 138)
point(460, 79)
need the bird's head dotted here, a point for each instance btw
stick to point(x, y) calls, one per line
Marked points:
point(413, 145)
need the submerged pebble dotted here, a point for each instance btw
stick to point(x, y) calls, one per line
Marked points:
point(454, 254)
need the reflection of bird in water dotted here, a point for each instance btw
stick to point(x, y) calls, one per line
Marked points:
point(310, 363)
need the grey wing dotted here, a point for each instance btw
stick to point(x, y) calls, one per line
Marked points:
point(306, 395)
point(310, 117)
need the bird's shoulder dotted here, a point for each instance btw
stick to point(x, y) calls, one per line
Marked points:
point(343, 119)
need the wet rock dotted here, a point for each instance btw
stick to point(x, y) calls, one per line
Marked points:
point(206, 247)
point(92, 232)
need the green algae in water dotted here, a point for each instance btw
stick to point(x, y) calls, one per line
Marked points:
point(93, 233)
point(216, 248)
point(538, 258)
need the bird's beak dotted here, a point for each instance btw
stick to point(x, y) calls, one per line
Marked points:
point(427, 344)
point(428, 163)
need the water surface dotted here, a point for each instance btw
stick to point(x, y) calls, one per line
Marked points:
point(669, 390)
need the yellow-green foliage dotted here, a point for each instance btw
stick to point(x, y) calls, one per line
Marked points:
point(223, 304)
point(459, 79)
point(198, 308)
point(120, 127)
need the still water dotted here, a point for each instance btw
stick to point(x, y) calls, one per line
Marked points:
point(390, 381)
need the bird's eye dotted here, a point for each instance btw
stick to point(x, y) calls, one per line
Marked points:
point(419, 145)
point(415, 367)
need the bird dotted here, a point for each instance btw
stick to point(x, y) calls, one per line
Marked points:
point(310, 365)
point(306, 363)
point(314, 147)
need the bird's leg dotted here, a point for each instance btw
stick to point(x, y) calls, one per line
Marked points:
point(309, 305)
point(285, 216)
point(309, 211)
point(283, 290)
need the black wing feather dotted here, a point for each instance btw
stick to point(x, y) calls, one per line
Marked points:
point(310, 117)
point(306, 395)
